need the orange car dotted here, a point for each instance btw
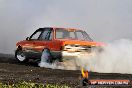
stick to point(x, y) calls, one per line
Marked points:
point(54, 44)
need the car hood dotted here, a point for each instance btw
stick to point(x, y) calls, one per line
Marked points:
point(21, 42)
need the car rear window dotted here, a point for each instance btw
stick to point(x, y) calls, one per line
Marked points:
point(62, 33)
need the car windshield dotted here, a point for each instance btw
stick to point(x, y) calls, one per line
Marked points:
point(72, 34)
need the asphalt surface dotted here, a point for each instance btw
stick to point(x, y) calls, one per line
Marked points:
point(11, 72)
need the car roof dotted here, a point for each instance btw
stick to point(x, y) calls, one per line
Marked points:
point(58, 28)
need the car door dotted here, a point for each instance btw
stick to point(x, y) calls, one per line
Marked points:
point(45, 40)
point(31, 47)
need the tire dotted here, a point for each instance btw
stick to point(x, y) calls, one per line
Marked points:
point(20, 56)
point(46, 56)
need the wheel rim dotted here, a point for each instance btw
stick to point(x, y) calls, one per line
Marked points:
point(21, 56)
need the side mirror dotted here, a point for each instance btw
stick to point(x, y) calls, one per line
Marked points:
point(27, 38)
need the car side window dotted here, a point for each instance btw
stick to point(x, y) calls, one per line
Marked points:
point(46, 35)
point(35, 35)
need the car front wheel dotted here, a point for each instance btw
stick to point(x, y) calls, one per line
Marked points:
point(20, 56)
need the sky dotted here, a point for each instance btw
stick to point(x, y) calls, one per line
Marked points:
point(103, 20)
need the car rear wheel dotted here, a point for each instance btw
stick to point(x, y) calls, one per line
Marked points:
point(46, 56)
point(20, 56)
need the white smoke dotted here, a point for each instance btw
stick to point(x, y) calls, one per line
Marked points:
point(47, 65)
point(20, 18)
point(67, 65)
point(116, 58)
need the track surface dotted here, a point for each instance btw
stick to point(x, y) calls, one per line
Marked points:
point(11, 72)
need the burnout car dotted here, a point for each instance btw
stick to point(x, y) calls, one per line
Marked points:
point(54, 44)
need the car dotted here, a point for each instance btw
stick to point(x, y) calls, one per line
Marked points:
point(53, 43)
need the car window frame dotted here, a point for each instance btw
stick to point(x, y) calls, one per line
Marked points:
point(34, 34)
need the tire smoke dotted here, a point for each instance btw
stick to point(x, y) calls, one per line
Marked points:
point(47, 63)
point(115, 58)
point(66, 65)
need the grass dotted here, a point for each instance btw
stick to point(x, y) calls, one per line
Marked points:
point(31, 85)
